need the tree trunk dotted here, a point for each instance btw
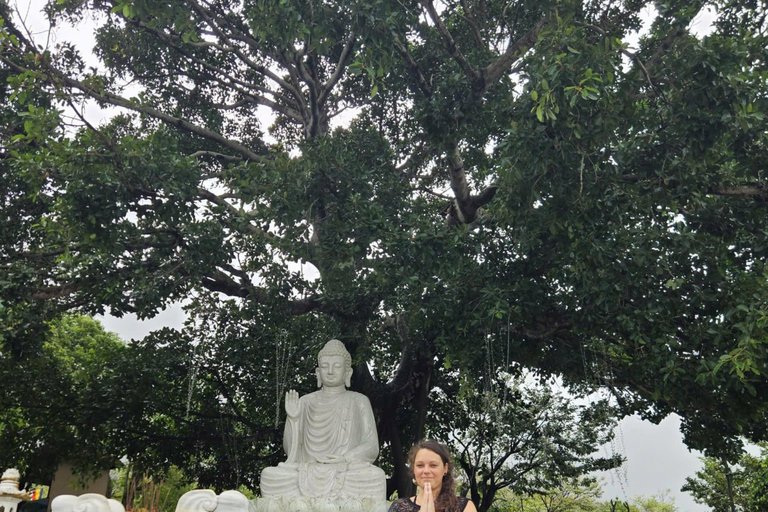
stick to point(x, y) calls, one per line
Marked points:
point(126, 485)
point(423, 402)
point(485, 503)
point(729, 484)
point(400, 480)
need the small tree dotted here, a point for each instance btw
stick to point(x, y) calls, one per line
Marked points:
point(143, 493)
point(522, 436)
point(573, 496)
point(731, 487)
point(659, 502)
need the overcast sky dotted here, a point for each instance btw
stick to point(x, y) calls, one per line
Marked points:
point(657, 459)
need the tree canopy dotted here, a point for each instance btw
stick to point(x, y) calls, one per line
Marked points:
point(56, 405)
point(515, 183)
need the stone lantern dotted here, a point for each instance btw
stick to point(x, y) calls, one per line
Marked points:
point(10, 495)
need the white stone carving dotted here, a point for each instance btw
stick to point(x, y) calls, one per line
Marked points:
point(205, 500)
point(199, 500)
point(115, 506)
point(331, 441)
point(88, 502)
point(330, 438)
point(10, 495)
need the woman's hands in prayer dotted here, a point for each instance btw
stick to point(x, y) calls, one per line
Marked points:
point(428, 503)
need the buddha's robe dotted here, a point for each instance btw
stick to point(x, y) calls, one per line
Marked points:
point(329, 423)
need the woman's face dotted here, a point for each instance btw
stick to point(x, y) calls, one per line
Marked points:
point(428, 467)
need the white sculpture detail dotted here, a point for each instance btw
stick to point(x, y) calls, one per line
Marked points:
point(205, 500)
point(10, 495)
point(88, 502)
point(331, 441)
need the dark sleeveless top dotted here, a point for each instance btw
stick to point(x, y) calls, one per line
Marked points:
point(406, 505)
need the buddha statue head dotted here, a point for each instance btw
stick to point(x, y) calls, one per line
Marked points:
point(334, 366)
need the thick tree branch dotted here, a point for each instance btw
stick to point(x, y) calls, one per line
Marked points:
point(55, 292)
point(259, 68)
point(754, 191)
point(450, 43)
point(119, 101)
point(459, 183)
point(473, 24)
point(221, 201)
point(341, 65)
point(414, 69)
point(292, 59)
point(296, 81)
point(665, 45)
point(213, 154)
point(514, 51)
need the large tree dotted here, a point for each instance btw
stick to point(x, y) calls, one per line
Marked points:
point(514, 179)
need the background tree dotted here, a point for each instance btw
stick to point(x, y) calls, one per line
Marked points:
point(146, 494)
point(22, 206)
point(725, 488)
point(660, 502)
point(574, 496)
point(523, 437)
point(514, 180)
point(581, 495)
point(57, 404)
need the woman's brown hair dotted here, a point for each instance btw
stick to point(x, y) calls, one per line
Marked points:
point(446, 501)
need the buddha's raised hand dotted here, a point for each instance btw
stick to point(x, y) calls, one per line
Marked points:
point(292, 404)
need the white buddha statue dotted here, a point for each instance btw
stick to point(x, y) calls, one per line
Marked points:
point(330, 438)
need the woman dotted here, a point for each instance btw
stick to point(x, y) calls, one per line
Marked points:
point(432, 469)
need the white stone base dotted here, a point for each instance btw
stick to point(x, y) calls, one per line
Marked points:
point(320, 505)
point(204, 500)
point(89, 502)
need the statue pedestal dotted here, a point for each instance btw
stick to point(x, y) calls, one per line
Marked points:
point(283, 504)
point(204, 500)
